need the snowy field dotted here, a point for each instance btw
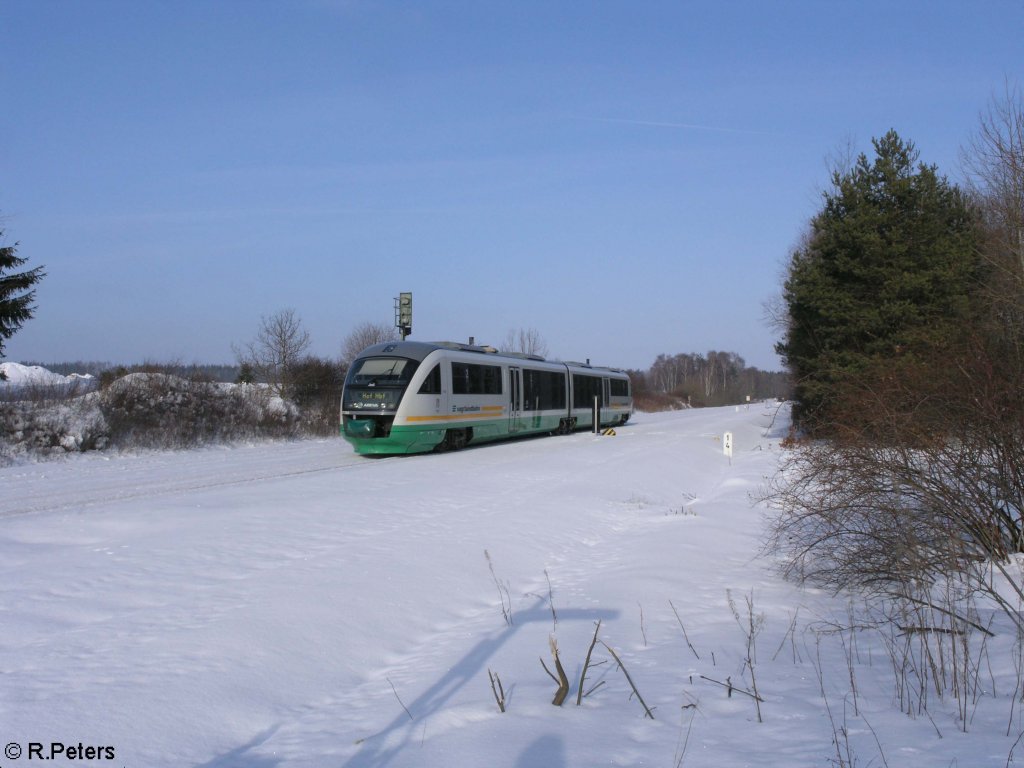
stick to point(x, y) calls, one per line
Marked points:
point(292, 604)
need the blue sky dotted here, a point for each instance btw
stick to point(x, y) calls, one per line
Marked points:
point(626, 177)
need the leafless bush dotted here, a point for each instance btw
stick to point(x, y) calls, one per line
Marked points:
point(923, 483)
point(318, 384)
point(161, 406)
point(44, 394)
point(44, 418)
point(650, 402)
point(50, 427)
point(153, 410)
point(937, 646)
point(918, 504)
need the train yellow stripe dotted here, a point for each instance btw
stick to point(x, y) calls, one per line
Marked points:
point(484, 414)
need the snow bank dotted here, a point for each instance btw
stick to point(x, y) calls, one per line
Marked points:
point(18, 375)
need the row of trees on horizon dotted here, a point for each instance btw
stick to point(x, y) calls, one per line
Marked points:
point(710, 379)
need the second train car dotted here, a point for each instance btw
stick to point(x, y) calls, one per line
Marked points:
point(412, 397)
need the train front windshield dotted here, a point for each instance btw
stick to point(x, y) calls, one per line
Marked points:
point(377, 383)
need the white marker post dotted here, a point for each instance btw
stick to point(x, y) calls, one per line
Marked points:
point(727, 445)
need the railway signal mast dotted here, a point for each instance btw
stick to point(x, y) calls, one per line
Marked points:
point(403, 314)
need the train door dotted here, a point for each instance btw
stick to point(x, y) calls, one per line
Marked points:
point(515, 398)
point(606, 386)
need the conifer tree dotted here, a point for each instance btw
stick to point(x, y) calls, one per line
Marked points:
point(885, 275)
point(16, 292)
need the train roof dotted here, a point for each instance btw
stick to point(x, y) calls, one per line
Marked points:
point(418, 350)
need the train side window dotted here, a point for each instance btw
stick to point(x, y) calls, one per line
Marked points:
point(620, 388)
point(585, 389)
point(460, 379)
point(491, 379)
point(470, 379)
point(543, 390)
point(432, 383)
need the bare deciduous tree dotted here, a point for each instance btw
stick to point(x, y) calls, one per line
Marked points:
point(278, 348)
point(994, 165)
point(526, 341)
point(365, 335)
point(994, 161)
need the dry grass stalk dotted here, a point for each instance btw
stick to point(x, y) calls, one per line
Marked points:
point(503, 592)
point(686, 637)
point(586, 664)
point(497, 689)
point(647, 710)
point(393, 690)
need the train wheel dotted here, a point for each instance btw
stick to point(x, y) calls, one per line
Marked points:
point(455, 439)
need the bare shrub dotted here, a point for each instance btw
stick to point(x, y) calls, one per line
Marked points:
point(155, 410)
point(650, 402)
point(162, 405)
point(50, 428)
point(45, 393)
point(318, 384)
point(49, 419)
point(916, 503)
point(924, 482)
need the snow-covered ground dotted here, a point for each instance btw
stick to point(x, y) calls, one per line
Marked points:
point(292, 604)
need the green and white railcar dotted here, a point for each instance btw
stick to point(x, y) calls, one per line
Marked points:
point(411, 397)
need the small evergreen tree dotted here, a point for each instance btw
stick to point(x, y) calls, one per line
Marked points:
point(885, 275)
point(16, 292)
point(246, 374)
